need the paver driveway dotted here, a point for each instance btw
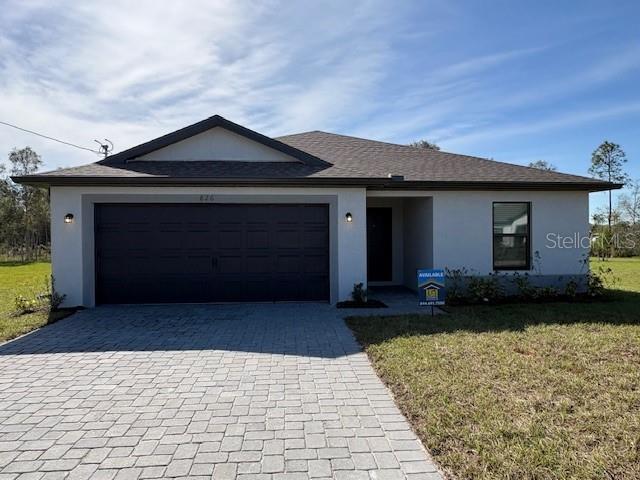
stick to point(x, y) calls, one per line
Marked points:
point(262, 391)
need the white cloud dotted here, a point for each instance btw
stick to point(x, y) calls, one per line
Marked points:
point(130, 71)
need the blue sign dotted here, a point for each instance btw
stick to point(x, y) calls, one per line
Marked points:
point(431, 289)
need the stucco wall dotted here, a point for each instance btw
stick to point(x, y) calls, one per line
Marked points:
point(462, 234)
point(73, 244)
point(418, 238)
point(462, 229)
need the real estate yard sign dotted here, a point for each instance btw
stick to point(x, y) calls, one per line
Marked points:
point(431, 289)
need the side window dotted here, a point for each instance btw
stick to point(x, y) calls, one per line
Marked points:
point(511, 235)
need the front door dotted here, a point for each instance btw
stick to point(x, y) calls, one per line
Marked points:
point(379, 244)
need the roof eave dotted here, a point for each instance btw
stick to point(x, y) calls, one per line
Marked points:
point(508, 185)
point(372, 183)
point(190, 181)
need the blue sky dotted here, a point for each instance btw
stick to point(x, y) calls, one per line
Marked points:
point(514, 81)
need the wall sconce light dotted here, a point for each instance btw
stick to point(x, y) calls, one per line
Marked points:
point(348, 217)
point(68, 218)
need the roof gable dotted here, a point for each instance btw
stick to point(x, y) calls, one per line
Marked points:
point(214, 139)
point(218, 144)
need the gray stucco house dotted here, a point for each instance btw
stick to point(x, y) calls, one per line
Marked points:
point(216, 212)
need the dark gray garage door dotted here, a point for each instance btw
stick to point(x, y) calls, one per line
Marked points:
point(168, 253)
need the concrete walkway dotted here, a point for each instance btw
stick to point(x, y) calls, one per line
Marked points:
point(245, 391)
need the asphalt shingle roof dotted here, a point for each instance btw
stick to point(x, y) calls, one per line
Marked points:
point(323, 158)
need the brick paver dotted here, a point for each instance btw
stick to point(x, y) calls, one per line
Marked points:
point(212, 391)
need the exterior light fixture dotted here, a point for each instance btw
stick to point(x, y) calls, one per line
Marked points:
point(348, 217)
point(68, 218)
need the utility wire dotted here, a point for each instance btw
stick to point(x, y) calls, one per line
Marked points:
point(48, 138)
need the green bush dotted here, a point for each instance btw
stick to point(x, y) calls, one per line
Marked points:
point(571, 288)
point(26, 305)
point(455, 279)
point(524, 288)
point(485, 289)
point(600, 280)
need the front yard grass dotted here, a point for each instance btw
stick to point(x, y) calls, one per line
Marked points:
point(542, 391)
point(22, 279)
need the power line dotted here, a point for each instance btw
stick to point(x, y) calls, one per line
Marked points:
point(48, 137)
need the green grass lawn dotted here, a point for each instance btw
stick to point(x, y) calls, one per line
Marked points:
point(543, 391)
point(626, 269)
point(26, 279)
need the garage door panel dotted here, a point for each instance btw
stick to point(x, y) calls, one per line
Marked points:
point(289, 289)
point(257, 214)
point(138, 263)
point(229, 290)
point(141, 240)
point(315, 239)
point(315, 264)
point(198, 227)
point(159, 253)
point(286, 214)
point(259, 264)
point(289, 264)
point(227, 264)
point(287, 239)
point(260, 289)
point(167, 227)
point(316, 288)
point(230, 240)
point(202, 240)
point(198, 264)
point(315, 215)
point(229, 215)
point(258, 239)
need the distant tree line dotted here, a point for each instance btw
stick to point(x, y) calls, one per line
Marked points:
point(24, 211)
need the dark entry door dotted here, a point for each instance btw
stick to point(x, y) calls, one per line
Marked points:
point(170, 253)
point(379, 246)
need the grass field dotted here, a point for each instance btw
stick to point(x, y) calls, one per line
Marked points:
point(626, 269)
point(544, 391)
point(27, 279)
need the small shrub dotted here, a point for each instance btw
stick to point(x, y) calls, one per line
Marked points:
point(546, 292)
point(46, 300)
point(359, 293)
point(485, 289)
point(527, 291)
point(571, 288)
point(26, 305)
point(600, 280)
point(524, 288)
point(456, 283)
